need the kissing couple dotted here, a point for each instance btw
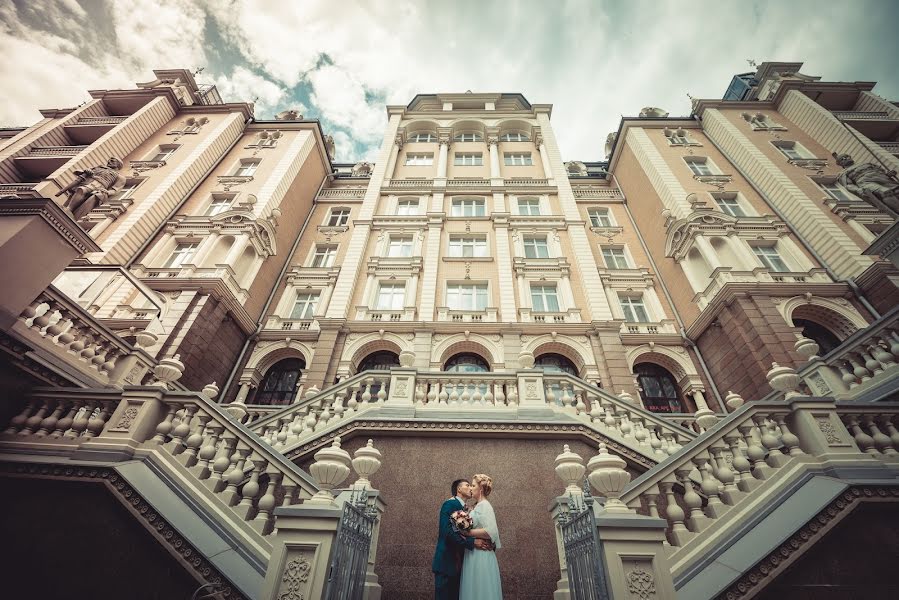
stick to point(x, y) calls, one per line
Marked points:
point(464, 564)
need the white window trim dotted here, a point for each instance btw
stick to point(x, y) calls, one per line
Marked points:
point(163, 149)
point(477, 159)
point(461, 202)
point(628, 259)
point(802, 152)
point(520, 134)
point(314, 303)
point(609, 214)
point(539, 201)
point(560, 300)
point(314, 251)
point(510, 160)
point(219, 198)
point(478, 238)
point(330, 213)
point(778, 250)
point(419, 159)
point(650, 318)
point(406, 237)
point(374, 303)
point(537, 237)
point(246, 163)
point(192, 246)
point(740, 200)
point(477, 136)
point(709, 163)
point(484, 284)
point(416, 207)
point(431, 135)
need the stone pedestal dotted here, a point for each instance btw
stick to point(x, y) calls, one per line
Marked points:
point(532, 395)
point(133, 422)
point(401, 398)
point(634, 555)
point(38, 239)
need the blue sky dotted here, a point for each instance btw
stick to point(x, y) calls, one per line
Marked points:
point(341, 62)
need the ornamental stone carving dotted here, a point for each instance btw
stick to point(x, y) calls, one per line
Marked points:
point(610, 143)
point(126, 420)
point(330, 146)
point(872, 183)
point(576, 168)
point(653, 112)
point(295, 579)
point(830, 433)
point(362, 169)
point(641, 584)
point(289, 115)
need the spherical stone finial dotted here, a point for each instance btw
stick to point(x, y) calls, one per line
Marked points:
point(706, 418)
point(168, 371)
point(609, 478)
point(311, 392)
point(366, 462)
point(570, 469)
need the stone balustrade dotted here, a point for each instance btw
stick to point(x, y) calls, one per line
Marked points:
point(873, 427)
point(467, 182)
point(56, 150)
point(851, 115)
point(100, 120)
point(466, 391)
point(60, 326)
point(597, 193)
point(342, 193)
point(65, 418)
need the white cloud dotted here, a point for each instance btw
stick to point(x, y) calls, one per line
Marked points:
point(242, 85)
point(343, 147)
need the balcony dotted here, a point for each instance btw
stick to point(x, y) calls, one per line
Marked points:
point(468, 183)
point(891, 147)
point(488, 315)
point(364, 313)
point(174, 278)
point(409, 184)
point(655, 328)
point(525, 182)
point(330, 193)
point(276, 323)
point(528, 315)
point(873, 125)
point(87, 130)
point(41, 161)
point(725, 276)
point(597, 193)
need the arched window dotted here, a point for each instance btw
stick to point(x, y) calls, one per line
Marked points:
point(280, 383)
point(555, 363)
point(658, 389)
point(383, 360)
point(466, 363)
point(823, 336)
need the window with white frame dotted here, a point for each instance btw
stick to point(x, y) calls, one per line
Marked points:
point(838, 192)
point(529, 207)
point(633, 308)
point(466, 296)
point(423, 137)
point(517, 159)
point(407, 207)
point(468, 137)
point(769, 257)
point(399, 246)
point(267, 142)
point(419, 160)
point(467, 246)
point(391, 296)
point(304, 305)
point(515, 136)
point(468, 207)
point(247, 167)
point(544, 298)
point(468, 159)
point(163, 153)
point(677, 137)
point(324, 256)
point(615, 257)
point(792, 150)
point(128, 189)
point(219, 204)
point(700, 165)
point(535, 247)
point(182, 254)
point(729, 203)
point(600, 217)
point(338, 217)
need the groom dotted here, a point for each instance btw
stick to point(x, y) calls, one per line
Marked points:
point(447, 563)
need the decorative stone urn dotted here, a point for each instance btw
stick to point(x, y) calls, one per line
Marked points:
point(211, 390)
point(652, 111)
point(168, 371)
point(626, 397)
point(608, 477)
point(526, 360)
point(311, 391)
point(705, 417)
point(145, 339)
point(407, 358)
point(366, 462)
point(733, 401)
point(806, 348)
point(330, 469)
point(784, 379)
point(570, 469)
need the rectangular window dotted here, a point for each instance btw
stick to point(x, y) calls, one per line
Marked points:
point(633, 309)
point(468, 207)
point(614, 258)
point(399, 247)
point(419, 160)
point(339, 217)
point(517, 159)
point(838, 192)
point(544, 298)
point(423, 137)
point(468, 159)
point(407, 207)
point(304, 307)
point(247, 167)
point(699, 165)
point(163, 153)
point(529, 207)
point(468, 137)
point(792, 150)
point(182, 254)
point(770, 258)
point(466, 296)
point(729, 204)
point(391, 296)
point(600, 217)
point(324, 256)
point(535, 247)
point(220, 203)
point(678, 139)
point(128, 189)
point(514, 136)
point(474, 247)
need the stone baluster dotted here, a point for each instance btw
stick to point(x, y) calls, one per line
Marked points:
point(465, 397)
point(290, 492)
point(44, 315)
point(745, 482)
point(887, 424)
point(82, 418)
point(48, 424)
point(771, 443)
point(728, 491)
point(18, 422)
point(235, 476)
point(550, 393)
point(222, 463)
point(865, 442)
point(165, 426)
point(871, 364)
point(443, 395)
point(499, 398)
point(579, 405)
point(881, 441)
point(208, 450)
point(311, 421)
point(420, 393)
point(338, 408)
point(512, 396)
point(787, 437)
point(454, 393)
point(97, 420)
point(861, 373)
point(433, 392)
point(891, 340)
point(670, 445)
point(194, 441)
point(711, 487)
point(754, 451)
point(353, 403)
point(34, 421)
point(488, 398)
point(640, 432)
point(567, 401)
point(879, 350)
point(674, 514)
point(655, 441)
point(182, 429)
point(651, 496)
point(477, 398)
point(325, 416)
point(366, 395)
point(624, 424)
point(382, 389)
point(250, 489)
point(696, 520)
point(267, 502)
point(65, 423)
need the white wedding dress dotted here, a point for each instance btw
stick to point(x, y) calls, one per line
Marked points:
point(480, 571)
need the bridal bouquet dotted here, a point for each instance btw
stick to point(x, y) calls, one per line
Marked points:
point(461, 520)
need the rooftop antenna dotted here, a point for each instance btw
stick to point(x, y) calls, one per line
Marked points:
point(752, 63)
point(199, 70)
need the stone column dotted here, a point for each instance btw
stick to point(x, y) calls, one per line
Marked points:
point(100, 227)
point(324, 297)
point(708, 252)
point(442, 159)
point(205, 248)
point(240, 244)
point(495, 175)
point(544, 160)
point(866, 234)
point(155, 255)
point(391, 162)
point(743, 251)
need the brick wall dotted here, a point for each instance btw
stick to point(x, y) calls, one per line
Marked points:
point(210, 346)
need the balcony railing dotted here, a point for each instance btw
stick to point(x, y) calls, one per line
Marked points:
point(412, 183)
point(467, 182)
point(597, 193)
point(525, 182)
point(285, 324)
point(723, 276)
point(528, 315)
point(488, 315)
point(342, 193)
point(40, 151)
point(851, 115)
point(100, 120)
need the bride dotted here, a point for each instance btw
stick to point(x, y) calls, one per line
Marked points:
point(480, 571)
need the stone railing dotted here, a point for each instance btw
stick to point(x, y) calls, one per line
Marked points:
point(620, 415)
point(223, 272)
point(39, 151)
point(58, 325)
point(525, 182)
point(891, 147)
point(283, 324)
point(873, 427)
point(488, 315)
point(411, 183)
point(342, 193)
point(851, 115)
point(467, 182)
point(100, 120)
point(16, 188)
point(723, 276)
point(862, 367)
point(597, 193)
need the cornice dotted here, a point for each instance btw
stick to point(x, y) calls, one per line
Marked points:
point(54, 215)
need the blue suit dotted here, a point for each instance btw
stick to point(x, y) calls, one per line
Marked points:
point(447, 563)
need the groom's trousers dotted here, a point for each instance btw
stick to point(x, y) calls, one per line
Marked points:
point(446, 587)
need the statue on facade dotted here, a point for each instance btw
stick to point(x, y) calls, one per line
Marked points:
point(362, 169)
point(872, 183)
point(330, 147)
point(93, 187)
point(289, 115)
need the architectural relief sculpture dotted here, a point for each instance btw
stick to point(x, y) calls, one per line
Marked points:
point(330, 146)
point(93, 187)
point(289, 115)
point(872, 183)
point(362, 169)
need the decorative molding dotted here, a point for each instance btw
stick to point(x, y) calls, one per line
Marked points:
point(641, 584)
point(295, 580)
point(126, 420)
point(54, 215)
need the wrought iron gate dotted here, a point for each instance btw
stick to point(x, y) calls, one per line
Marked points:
point(349, 557)
point(583, 551)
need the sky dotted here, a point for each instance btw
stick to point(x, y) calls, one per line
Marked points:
point(343, 61)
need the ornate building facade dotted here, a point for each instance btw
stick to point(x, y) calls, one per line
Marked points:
point(715, 304)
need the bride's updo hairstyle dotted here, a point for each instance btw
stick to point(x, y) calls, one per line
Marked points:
point(484, 482)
